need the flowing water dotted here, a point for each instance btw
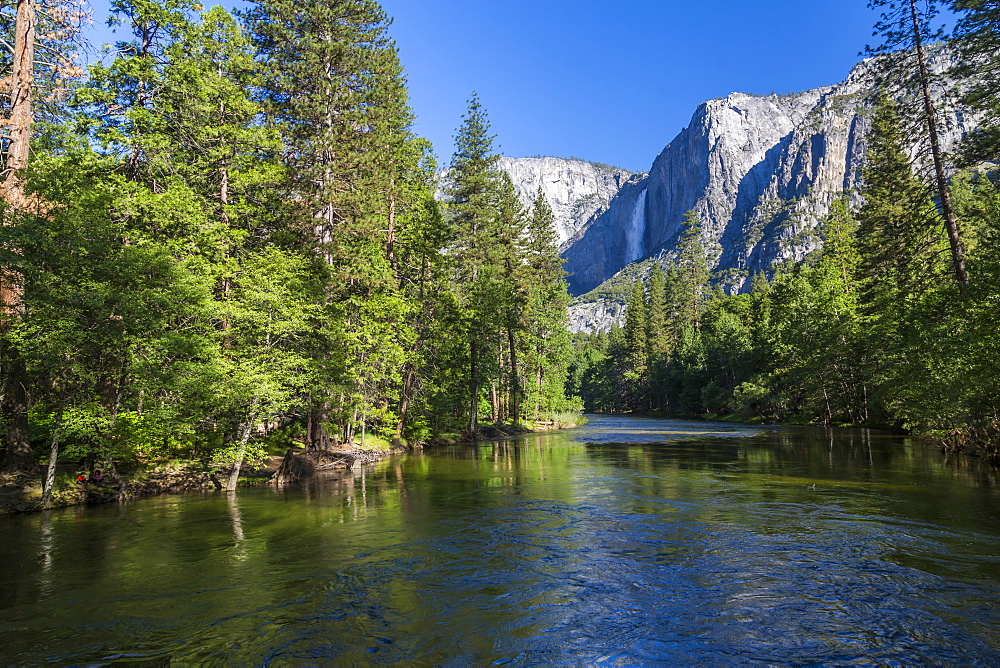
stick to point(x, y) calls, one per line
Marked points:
point(625, 542)
point(636, 229)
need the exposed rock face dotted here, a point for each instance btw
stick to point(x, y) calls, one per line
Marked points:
point(612, 240)
point(760, 171)
point(595, 317)
point(578, 191)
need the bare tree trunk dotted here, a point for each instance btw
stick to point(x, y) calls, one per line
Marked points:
point(494, 403)
point(391, 236)
point(404, 402)
point(515, 381)
point(21, 114)
point(241, 452)
point(309, 422)
point(944, 190)
point(538, 383)
point(473, 388)
point(829, 413)
point(50, 473)
point(225, 325)
point(17, 456)
point(115, 397)
point(318, 433)
point(864, 387)
point(117, 477)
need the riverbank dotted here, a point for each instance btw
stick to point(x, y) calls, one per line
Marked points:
point(981, 442)
point(22, 492)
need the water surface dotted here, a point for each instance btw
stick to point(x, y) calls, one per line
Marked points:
point(628, 541)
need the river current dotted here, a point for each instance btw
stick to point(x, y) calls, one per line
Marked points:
point(627, 542)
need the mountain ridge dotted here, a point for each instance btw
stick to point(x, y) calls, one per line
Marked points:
point(578, 190)
point(761, 173)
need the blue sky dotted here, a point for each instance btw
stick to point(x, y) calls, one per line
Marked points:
point(607, 81)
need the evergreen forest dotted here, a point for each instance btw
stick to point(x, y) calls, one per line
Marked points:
point(894, 322)
point(227, 231)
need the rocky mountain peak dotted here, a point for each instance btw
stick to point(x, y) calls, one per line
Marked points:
point(761, 172)
point(577, 190)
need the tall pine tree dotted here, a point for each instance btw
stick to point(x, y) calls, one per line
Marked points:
point(473, 195)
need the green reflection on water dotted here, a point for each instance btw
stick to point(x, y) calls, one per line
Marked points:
point(492, 551)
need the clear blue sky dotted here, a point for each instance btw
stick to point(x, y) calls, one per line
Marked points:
point(607, 81)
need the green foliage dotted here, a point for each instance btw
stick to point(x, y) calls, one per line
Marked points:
point(235, 235)
point(976, 40)
point(869, 331)
point(510, 291)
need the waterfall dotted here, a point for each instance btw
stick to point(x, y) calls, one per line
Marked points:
point(636, 229)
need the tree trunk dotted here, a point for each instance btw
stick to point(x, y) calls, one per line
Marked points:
point(50, 473)
point(17, 456)
point(391, 236)
point(116, 476)
point(21, 114)
point(944, 190)
point(225, 325)
point(515, 381)
point(538, 382)
point(404, 402)
point(473, 388)
point(318, 435)
point(309, 423)
point(234, 475)
point(115, 397)
point(494, 403)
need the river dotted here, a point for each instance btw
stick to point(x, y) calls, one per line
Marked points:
point(628, 541)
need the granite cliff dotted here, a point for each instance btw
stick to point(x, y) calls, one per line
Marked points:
point(578, 191)
point(760, 171)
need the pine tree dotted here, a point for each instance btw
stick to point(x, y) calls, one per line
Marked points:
point(121, 95)
point(422, 270)
point(335, 89)
point(545, 312)
point(896, 235)
point(906, 31)
point(693, 273)
point(658, 335)
point(900, 267)
point(976, 39)
point(833, 364)
point(473, 194)
point(636, 362)
point(211, 135)
point(512, 291)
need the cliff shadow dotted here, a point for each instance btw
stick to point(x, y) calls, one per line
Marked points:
point(746, 227)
